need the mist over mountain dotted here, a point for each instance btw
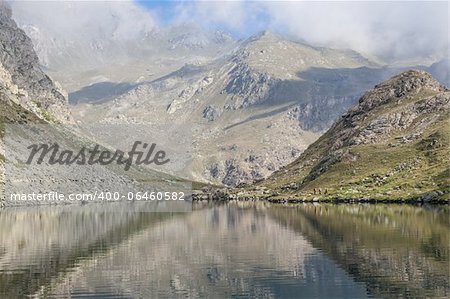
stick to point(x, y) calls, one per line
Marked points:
point(89, 39)
point(441, 70)
point(90, 42)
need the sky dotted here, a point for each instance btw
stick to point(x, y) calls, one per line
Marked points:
point(241, 18)
point(392, 30)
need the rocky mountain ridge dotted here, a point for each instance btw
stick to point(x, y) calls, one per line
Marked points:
point(393, 144)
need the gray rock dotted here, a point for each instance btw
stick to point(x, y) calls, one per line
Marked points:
point(211, 113)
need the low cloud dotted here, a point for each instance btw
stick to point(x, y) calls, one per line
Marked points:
point(229, 14)
point(82, 19)
point(392, 31)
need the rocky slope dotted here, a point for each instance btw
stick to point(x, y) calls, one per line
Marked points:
point(393, 144)
point(251, 111)
point(28, 96)
point(21, 73)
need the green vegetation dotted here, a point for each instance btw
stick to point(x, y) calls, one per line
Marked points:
point(384, 172)
point(49, 117)
point(379, 171)
point(13, 113)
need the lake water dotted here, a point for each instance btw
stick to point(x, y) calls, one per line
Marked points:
point(236, 250)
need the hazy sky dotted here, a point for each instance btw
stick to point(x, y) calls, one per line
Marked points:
point(391, 30)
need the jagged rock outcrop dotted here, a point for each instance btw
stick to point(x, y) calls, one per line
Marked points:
point(247, 86)
point(359, 126)
point(408, 83)
point(188, 93)
point(211, 113)
point(27, 95)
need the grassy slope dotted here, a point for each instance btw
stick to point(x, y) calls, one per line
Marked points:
point(13, 113)
point(376, 171)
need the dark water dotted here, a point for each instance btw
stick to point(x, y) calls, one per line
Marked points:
point(234, 250)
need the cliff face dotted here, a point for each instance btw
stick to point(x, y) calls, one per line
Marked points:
point(21, 74)
point(27, 94)
point(393, 144)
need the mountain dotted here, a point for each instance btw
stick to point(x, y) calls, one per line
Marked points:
point(252, 105)
point(251, 111)
point(393, 145)
point(79, 63)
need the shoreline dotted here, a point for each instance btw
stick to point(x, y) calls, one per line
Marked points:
point(223, 195)
point(329, 201)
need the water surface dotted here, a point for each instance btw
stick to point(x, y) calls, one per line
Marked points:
point(232, 250)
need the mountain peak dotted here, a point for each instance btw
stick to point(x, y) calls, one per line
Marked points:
point(264, 35)
point(404, 84)
point(412, 80)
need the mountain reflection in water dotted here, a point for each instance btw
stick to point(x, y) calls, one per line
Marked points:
point(231, 250)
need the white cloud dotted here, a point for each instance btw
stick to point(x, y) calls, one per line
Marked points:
point(229, 14)
point(394, 31)
point(93, 19)
point(391, 30)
